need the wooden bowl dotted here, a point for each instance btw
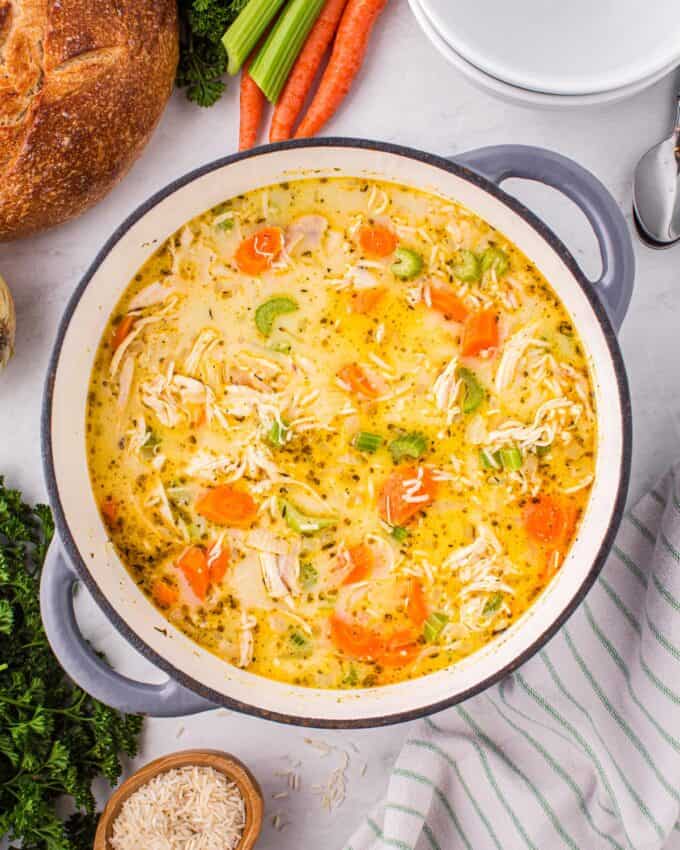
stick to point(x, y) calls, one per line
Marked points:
point(227, 764)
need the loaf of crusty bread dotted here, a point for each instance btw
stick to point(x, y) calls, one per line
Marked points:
point(82, 86)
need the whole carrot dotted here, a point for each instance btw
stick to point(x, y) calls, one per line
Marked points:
point(304, 71)
point(346, 59)
point(251, 108)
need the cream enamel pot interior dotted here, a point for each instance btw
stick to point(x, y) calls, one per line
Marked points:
point(199, 680)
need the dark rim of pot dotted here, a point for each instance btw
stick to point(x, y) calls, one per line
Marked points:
point(69, 544)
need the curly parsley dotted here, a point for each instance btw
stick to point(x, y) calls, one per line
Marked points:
point(203, 60)
point(54, 738)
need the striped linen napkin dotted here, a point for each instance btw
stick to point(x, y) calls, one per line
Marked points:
point(579, 748)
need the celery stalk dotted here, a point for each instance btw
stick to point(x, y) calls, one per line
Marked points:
point(242, 36)
point(273, 63)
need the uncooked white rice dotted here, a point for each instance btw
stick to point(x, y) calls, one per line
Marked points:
point(187, 808)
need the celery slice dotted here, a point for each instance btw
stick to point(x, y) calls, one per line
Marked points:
point(511, 458)
point(301, 522)
point(474, 392)
point(273, 63)
point(242, 36)
point(434, 626)
point(278, 434)
point(266, 313)
point(407, 264)
point(489, 459)
point(412, 445)
point(495, 258)
point(367, 442)
point(470, 268)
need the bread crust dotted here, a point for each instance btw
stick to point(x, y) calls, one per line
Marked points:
point(83, 83)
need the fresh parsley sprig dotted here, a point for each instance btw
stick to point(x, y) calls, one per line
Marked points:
point(54, 738)
point(203, 60)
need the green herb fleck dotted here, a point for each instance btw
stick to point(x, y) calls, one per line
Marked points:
point(399, 533)
point(493, 604)
point(309, 575)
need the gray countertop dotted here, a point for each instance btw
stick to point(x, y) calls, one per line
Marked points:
point(429, 107)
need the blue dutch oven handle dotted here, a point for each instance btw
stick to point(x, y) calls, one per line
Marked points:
point(499, 163)
point(84, 666)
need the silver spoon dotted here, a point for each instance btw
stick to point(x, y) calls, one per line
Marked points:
point(656, 191)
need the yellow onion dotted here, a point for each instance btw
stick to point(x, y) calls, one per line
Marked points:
point(7, 324)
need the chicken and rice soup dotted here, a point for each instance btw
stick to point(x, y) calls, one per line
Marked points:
point(341, 432)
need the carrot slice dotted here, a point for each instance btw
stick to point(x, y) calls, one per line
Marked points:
point(366, 644)
point(377, 240)
point(448, 303)
point(395, 501)
point(256, 254)
point(252, 101)
point(164, 594)
point(218, 562)
point(194, 565)
point(123, 328)
point(416, 607)
point(359, 381)
point(226, 505)
point(109, 509)
point(362, 560)
point(366, 300)
point(550, 520)
point(400, 648)
point(480, 333)
point(346, 59)
point(298, 84)
point(354, 639)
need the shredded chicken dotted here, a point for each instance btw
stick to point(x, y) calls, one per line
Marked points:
point(280, 574)
point(513, 351)
point(127, 373)
point(305, 233)
point(246, 639)
point(154, 293)
point(360, 277)
point(168, 396)
point(481, 567)
point(206, 340)
point(137, 328)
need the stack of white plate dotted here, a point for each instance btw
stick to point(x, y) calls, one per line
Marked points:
point(556, 54)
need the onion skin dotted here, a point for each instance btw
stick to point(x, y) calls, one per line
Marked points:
point(7, 324)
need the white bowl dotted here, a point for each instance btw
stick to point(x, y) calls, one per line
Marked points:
point(523, 96)
point(576, 48)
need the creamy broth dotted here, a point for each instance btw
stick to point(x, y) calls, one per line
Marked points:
point(341, 432)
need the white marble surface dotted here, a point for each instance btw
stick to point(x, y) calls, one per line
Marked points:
point(407, 94)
